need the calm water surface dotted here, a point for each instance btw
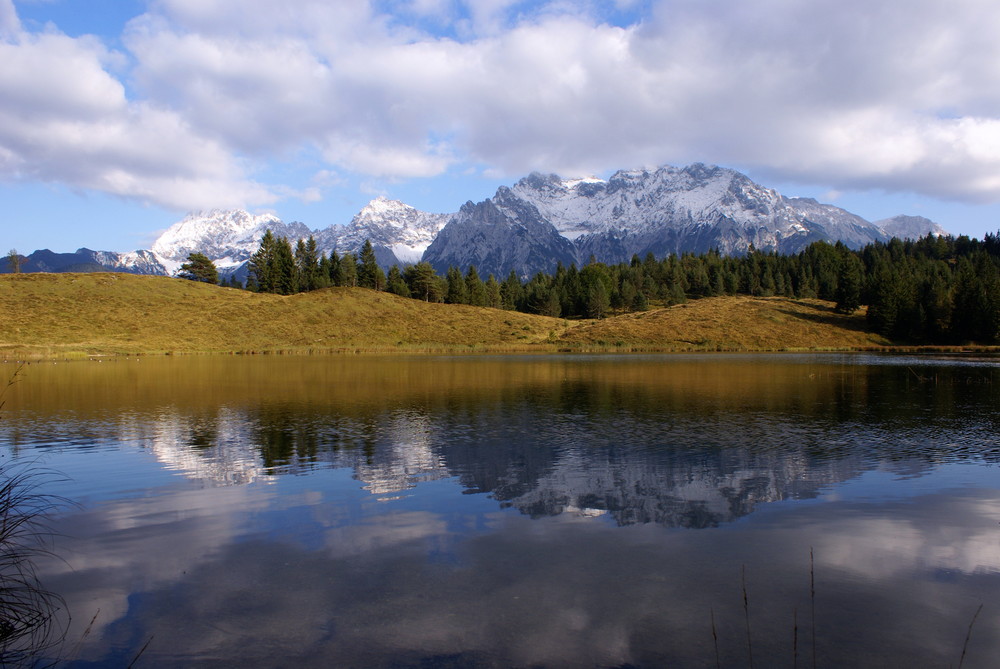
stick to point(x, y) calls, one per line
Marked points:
point(527, 511)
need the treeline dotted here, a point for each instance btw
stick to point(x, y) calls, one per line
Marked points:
point(940, 290)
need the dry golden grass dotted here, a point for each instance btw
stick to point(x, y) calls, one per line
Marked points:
point(62, 315)
point(69, 315)
point(732, 324)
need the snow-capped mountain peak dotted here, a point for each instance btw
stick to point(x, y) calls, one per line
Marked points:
point(541, 220)
point(228, 237)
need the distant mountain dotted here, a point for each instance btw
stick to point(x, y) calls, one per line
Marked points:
point(636, 212)
point(910, 227)
point(541, 221)
point(229, 238)
point(85, 260)
point(399, 233)
point(499, 235)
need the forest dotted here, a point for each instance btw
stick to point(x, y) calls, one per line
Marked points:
point(934, 290)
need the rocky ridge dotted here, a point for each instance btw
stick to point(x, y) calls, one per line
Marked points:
point(541, 221)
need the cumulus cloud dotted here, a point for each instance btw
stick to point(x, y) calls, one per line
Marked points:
point(851, 94)
point(65, 119)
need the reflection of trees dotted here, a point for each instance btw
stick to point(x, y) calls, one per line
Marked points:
point(686, 452)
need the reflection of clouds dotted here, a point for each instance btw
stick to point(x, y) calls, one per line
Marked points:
point(385, 532)
point(349, 590)
point(962, 536)
point(215, 449)
point(120, 547)
point(407, 458)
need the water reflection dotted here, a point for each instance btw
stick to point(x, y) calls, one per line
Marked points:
point(522, 512)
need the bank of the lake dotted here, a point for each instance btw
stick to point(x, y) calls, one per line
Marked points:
point(47, 316)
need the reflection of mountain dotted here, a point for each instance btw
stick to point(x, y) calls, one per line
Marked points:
point(631, 469)
point(675, 491)
point(407, 459)
point(210, 449)
point(687, 444)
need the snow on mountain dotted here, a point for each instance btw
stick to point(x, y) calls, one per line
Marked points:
point(661, 211)
point(499, 235)
point(399, 233)
point(540, 221)
point(228, 238)
point(134, 262)
point(676, 210)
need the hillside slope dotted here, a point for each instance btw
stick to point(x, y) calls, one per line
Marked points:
point(43, 315)
point(60, 315)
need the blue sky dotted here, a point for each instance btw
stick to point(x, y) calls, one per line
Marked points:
point(117, 117)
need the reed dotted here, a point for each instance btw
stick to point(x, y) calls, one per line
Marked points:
point(29, 613)
point(27, 610)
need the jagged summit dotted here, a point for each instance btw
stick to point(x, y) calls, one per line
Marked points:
point(542, 220)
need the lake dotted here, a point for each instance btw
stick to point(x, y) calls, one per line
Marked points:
point(519, 511)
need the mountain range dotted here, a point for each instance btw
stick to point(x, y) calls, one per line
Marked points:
point(541, 221)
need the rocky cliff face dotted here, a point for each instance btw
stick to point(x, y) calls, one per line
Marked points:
point(541, 221)
point(499, 235)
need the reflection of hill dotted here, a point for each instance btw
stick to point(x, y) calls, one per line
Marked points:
point(636, 468)
point(685, 441)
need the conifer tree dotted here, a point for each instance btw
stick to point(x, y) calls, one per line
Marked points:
point(423, 282)
point(370, 275)
point(336, 271)
point(307, 264)
point(285, 271)
point(348, 270)
point(262, 269)
point(395, 283)
point(597, 300)
point(511, 292)
point(325, 271)
point(199, 268)
point(458, 292)
point(849, 283)
point(475, 288)
point(493, 296)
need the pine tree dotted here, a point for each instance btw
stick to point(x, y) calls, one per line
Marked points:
point(369, 273)
point(423, 282)
point(511, 292)
point(199, 268)
point(325, 271)
point(849, 282)
point(285, 271)
point(475, 287)
point(262, 273)
point(348, 270)
point(395, 283)
point(598, 300)
point(307, 264)
point(458, 292)
point(494, 298)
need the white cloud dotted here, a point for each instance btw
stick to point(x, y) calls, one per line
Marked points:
point(849, 94)
point(9, 23)
point(65, 119)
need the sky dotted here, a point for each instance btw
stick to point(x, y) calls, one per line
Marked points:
point(118, 117)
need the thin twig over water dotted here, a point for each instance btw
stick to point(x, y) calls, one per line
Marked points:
point(968, 635)
point(812, 601)
point(746, 615)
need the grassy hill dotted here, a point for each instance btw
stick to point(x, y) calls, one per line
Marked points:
point(67, 315)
